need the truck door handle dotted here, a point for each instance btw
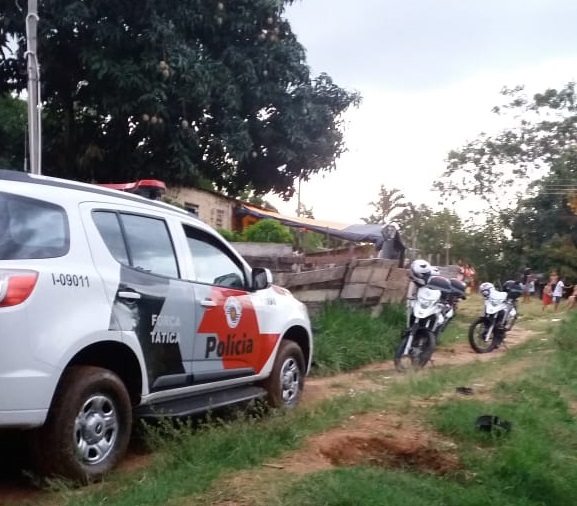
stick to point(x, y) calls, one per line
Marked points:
point(129, 295)
point(208, 303)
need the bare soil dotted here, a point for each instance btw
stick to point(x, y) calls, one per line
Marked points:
point(380, 439)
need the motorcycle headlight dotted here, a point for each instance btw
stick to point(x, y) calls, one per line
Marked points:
point(425, 304)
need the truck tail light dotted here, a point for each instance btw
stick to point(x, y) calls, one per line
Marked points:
point(16, 286)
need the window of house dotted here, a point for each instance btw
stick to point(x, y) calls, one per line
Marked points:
point(191, 208)
point(219, 222)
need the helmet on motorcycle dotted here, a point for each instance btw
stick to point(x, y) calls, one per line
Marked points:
point(513, 289)
point(420, 271)
point(459, 287)
point(485, 288)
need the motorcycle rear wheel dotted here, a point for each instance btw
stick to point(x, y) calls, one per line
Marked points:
point(420, 352)
point(477, 338)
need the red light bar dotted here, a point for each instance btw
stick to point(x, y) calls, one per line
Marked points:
point(151, 188)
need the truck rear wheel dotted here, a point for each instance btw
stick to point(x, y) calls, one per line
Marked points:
point(88, 427)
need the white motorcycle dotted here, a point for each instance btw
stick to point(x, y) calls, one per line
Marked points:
point(488, 331)
point(425, 317)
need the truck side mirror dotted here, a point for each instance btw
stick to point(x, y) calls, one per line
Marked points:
point(261, 278)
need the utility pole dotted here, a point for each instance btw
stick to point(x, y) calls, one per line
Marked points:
point(299, 198)
point(34, 107)
point(448, 246)
point(299, 230)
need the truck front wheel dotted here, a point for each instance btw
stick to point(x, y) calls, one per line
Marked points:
point(285, 384)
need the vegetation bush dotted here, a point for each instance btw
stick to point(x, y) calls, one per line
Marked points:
point(348, 338)
point(268, 231)
point(231, 235)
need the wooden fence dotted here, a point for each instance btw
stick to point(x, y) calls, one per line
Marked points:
point(367, 282)
point(333, 275)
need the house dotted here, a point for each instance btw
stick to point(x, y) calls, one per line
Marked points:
point(210, 206)
point(223, 212)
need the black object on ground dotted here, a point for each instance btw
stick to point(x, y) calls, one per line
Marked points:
point(493, 424)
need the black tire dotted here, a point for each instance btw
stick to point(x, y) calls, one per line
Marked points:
point(75, 442)
point(421, 351)
point(440, 331)
point(512, 324)
point(285, 384)
point(476, 338)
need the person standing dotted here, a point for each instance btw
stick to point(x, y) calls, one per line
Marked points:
point(558, 293)
point(531, 287)
point(526, 279)
point(548, 289)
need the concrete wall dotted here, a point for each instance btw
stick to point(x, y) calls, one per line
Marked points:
point(212, 208)
point(251, 249)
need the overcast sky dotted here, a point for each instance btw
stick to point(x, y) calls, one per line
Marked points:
point(429, 73)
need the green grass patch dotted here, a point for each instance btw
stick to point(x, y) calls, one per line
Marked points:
point(349, 338)
point(536, 461)
point(189, 457)
point(370, 486)
point(533, 465)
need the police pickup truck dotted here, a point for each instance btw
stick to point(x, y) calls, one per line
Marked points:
point(114, 307)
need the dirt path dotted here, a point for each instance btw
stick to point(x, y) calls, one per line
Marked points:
point(382, 439)
point(460, 353)
point(364, 438)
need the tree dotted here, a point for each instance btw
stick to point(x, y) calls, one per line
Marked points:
point(535, 158)
point(440, 233)
point(249, 195)
point(411, 220)
point(12, 132)
point(543, 128)
point(388, 204)
point(544, 226)
point(179, 91)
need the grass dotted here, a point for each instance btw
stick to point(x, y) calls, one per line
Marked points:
point(369, 486)
point(536, 461)
point(349, 338)
point(533, 465)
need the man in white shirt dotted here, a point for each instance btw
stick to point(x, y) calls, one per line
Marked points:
point(558, 293)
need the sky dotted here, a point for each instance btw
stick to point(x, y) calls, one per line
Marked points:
point(429, 73)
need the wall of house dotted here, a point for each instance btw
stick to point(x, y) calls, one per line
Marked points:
point(214, 209)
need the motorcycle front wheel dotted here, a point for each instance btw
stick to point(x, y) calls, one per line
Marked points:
point(478, 338)
point(419, 353)
point(511, 324)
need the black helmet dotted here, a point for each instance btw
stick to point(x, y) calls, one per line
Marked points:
point(513, 288)
point(440, 283)
point(459, 287)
